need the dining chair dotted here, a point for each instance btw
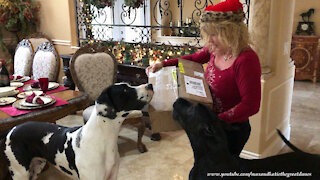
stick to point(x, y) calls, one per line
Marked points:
point(38, 38)
point(46, 62)
point(23, 58)
point(93, 68)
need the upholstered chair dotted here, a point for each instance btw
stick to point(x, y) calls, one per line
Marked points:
point(46, 62)
point(93, 68)
point(23, 58)
point(38, 38)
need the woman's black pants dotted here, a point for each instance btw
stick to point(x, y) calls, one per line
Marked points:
point(238, 137)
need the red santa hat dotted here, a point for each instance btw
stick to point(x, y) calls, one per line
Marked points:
point(229, 10)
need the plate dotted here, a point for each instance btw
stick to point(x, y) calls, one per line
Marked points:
point(10, 93)
point(28, 93)
point(16, 84)
point(23, 79)
point(7, 100)
point(7, 91)
point(45, 99)
point(52, 85)
point(18, 105)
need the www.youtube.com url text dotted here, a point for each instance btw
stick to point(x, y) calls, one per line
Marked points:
point(267, 174)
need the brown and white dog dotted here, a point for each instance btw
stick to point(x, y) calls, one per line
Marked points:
point(87, 152)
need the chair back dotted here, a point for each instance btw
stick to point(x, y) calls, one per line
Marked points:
point(93, 68)
point(38, 38)
point(23, 58)
point(46, 62)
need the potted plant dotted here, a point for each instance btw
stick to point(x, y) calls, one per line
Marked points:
point(18, 16)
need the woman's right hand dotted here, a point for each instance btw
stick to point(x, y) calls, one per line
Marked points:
point(154, 68)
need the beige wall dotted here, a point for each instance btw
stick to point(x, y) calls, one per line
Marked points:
point(57, 20)
point(304, 6)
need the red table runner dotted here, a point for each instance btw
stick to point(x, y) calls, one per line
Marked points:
point(12, 111)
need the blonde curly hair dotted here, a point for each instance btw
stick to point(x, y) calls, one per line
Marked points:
point(234, 36)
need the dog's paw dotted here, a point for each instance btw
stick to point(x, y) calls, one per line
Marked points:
point(142, 148)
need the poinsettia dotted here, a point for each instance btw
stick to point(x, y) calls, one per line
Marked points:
point(18, 15)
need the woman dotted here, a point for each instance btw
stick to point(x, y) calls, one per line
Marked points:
point(233, 72)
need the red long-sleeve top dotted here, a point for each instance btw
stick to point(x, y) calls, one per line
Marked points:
point(236, 91)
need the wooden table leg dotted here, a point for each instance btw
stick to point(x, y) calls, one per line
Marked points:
point(141, 128)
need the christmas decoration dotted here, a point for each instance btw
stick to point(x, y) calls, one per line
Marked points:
point(229, 10)
point(101, 3)
point(143, 54)
point(133, 3)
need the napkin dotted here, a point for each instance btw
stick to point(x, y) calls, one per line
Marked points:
point(34, 99)
point(35, 84)
point(14, 77)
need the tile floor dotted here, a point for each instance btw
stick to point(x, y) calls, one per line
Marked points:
point(172, 158)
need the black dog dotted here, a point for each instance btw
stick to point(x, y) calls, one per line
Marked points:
point(212, 159)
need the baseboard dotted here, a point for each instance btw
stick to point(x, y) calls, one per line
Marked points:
point(75, 47)
point(61, 42)
point(276, 146)
point(249, 155)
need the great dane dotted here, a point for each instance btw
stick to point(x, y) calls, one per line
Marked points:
point(87, 152)
point(212, 159)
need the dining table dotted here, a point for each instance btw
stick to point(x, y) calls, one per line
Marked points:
point(72, 101)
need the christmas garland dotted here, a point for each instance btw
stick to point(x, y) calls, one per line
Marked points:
point(110, 3)
point(133, 3)
point(102, 3)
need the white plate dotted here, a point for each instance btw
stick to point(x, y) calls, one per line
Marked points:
point(7, 100)
point(52, 85)
point(45, 99)
point(18, 105)
point(10, 93)
point(28, 93)
point(23, 79)
point(7, 89)
point(16, 84)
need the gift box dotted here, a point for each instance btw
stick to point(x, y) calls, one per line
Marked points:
point(186, 81)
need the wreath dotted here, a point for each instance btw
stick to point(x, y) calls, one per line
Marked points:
point(133, 3)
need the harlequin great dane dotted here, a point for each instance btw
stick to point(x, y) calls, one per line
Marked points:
point(206, 133)
point(87, 152)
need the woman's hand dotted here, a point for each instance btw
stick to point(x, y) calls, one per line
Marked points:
point(154, 68)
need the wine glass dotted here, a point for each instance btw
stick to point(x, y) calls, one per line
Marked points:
point(44, 83)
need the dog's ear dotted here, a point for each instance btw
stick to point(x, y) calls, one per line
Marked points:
point(105, 98)
point(208, 131)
